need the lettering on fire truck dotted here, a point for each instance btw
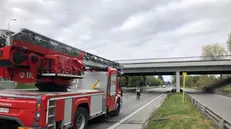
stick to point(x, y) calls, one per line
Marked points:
point(27, 75)
point(6, 104)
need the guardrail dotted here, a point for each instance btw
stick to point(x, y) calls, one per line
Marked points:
point(223, 92)
point(219, 121)
point(130, 89)
point(133, 89)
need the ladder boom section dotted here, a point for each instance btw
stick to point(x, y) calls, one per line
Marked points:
point(46, 42)
point(29, 57)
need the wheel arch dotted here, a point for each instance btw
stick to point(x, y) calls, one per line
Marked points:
point(84, 105)
point(80, 102)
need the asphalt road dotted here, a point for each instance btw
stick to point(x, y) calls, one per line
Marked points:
point(130, 104)
point(221, 105)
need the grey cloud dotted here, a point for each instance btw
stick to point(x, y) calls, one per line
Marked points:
point(95, 26)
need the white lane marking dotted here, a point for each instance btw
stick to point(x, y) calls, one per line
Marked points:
point(132, 114)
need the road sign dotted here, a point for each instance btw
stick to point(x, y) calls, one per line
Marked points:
point(184, 73)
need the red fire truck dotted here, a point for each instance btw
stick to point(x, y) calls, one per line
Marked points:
point(73, 86)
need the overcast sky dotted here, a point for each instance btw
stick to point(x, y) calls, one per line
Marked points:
point(125, 29)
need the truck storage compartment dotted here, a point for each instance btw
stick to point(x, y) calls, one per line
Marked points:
point(17, 111)
point(65, 65)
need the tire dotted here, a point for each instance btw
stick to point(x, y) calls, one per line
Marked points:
point(116, 112)
point(81, 118)
point(3, 125)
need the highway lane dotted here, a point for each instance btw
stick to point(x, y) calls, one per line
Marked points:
point(130, 104)
point(158, 89)
point(217, 103)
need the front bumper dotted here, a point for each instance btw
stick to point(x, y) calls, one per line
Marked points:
point(20, 124)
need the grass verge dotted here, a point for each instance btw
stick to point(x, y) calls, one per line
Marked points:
point(228, 88)
point(179, 115)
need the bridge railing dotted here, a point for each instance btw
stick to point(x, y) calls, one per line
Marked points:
point(172, 59)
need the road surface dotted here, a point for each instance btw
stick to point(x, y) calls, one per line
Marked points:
point(130, 105)
point(221, 105)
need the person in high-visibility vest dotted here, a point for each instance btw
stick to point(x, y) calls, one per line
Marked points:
point(138, 90)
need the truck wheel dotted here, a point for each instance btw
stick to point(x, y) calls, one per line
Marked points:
point(81, 118)
point(116, 112)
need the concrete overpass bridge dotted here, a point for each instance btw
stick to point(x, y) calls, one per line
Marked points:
point(176, 66)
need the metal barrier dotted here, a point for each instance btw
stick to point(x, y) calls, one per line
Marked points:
point(219, 121)
point(133, 89)
point(223, 92)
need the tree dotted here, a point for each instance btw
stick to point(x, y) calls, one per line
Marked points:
point(213, 51)
point(197, 81)
point(189, 81)
point(206, 80)
point(123, 81)
point(152, 81)
point(160, 77)
point(229, 42)
point(135, 81)
point(161, 80)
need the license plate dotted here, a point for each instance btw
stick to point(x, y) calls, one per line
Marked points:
point(4, 110)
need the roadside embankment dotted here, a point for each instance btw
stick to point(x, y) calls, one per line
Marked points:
point(173, 114)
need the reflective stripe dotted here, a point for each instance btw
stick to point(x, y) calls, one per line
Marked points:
point(24, 128)
point(76, 96)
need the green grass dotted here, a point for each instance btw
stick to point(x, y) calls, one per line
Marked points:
point(25, 86)
point(228, 88)
point(180, 116)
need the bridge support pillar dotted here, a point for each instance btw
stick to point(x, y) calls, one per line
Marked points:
point(177, 81)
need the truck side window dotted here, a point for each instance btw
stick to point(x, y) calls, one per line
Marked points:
point(113, 84)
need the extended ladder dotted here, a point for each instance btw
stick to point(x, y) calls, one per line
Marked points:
point(90, 60)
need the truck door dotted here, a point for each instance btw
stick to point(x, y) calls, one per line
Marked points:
point(111, 98)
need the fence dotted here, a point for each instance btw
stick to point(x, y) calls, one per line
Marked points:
point(219, 121)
